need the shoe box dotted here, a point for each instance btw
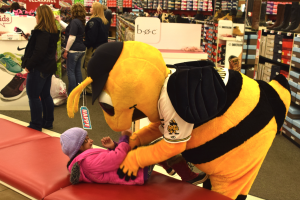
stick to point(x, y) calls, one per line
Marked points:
point(296, 62)
point(295, 77)
point(270, 71)
point(291, 126)
point(263, 45)
point(296, 54)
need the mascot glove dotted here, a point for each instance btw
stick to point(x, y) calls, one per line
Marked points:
point(129, 167)
point(134, 141)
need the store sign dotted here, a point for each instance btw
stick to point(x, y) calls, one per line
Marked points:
point(5, 19)
point(33, 4)
point(147, 29)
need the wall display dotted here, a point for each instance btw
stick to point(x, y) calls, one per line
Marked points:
point(13, 78)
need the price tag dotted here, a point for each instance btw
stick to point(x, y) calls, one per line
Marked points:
point(289, 34)
point(279, 33)
point(297, 102)
point(291, 79)
point(298, 35)
point(279, 51)
point(295, 45)
point(293, 129)
point(293, 65)
point(292, 138)
point(294, 55)
point(272, 31)
point(285, 123)
point(243, 63)
point(283, 131)
point(278, 60)
point(265, 30)
point(280, 42)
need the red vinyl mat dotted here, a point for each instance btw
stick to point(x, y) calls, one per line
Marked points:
point(37, 168)
point(158, 187)
point(12, 134)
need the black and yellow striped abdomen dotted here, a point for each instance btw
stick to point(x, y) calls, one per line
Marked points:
point(249, 109)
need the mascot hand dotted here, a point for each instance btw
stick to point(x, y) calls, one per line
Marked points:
point(134, 141)
point(129, 167)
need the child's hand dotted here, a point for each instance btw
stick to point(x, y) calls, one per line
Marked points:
point(107, 142)
point(127, 132)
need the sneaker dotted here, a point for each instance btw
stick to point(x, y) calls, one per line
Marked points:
point(75, 174)
point(10, 66)
point(15, 57)
point(15, 88)
point(199, 179)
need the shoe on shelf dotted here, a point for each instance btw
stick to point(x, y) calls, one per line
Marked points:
point(15, 57)
point(10, 66)
point(15, 88)
point(226, 17)
point(237, 32)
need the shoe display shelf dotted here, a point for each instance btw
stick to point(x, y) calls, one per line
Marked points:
point(122, 25)
point(291, 127)
point(227, 46)
point(279, 53)
point(286, 15)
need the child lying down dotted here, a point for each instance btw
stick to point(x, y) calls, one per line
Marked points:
point(101, 166)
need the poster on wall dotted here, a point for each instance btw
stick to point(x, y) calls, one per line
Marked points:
point(13, 94)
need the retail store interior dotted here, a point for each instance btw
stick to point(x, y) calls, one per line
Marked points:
point(258, 38)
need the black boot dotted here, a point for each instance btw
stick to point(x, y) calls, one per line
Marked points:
point(286, 19)
point(295, 19)
point(262, 20)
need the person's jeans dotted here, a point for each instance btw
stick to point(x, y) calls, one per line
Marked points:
point(88, 55)
point(74, 69)
point(42, 110)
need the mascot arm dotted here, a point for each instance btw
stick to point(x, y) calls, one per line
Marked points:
point(148, 155)
point(145, 135)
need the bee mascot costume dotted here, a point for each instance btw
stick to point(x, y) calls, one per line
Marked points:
point(218, 119)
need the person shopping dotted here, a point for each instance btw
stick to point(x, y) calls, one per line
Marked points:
point(40, 64)
point(75, 48)
point(95, 34)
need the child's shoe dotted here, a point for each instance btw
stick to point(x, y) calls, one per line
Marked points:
point(75, 174)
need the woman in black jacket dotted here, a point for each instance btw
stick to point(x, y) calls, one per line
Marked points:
point(96, 33)
point(40, 63)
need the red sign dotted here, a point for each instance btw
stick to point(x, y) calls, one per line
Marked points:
point(33, 4)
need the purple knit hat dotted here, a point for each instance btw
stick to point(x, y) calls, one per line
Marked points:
point(71, 141)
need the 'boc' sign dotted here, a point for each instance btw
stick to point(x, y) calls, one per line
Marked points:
point(147, 29)
point(5, 19)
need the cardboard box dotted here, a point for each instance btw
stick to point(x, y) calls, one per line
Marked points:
point(293, 86)
point(294, 112)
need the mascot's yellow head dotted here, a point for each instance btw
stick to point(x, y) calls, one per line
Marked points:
point(126, 79)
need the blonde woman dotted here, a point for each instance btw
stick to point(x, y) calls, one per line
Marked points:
point(39, 61)
point(95, 33)
point(75, 48)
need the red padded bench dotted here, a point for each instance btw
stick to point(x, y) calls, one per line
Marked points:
point(34, 163)
point(158, 187)
point(37, 168)
point(12, 134)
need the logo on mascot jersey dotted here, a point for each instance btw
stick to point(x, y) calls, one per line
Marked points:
point(85, 117)
point(173, 127)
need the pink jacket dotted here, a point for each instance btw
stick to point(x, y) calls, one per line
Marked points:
point(101, 166)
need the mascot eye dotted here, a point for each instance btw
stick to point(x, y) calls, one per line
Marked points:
point(108, 108)
point(106, 103)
